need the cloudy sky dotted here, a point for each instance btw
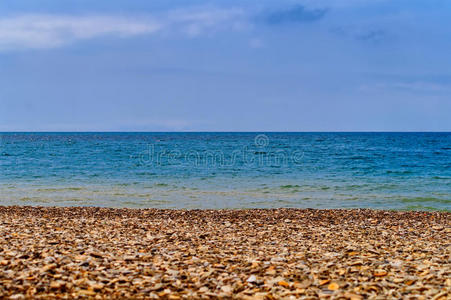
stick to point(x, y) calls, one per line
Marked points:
point(298, 65)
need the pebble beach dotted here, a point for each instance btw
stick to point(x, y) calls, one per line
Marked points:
point(87, 252)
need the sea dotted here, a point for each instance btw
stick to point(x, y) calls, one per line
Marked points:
point(190, 170)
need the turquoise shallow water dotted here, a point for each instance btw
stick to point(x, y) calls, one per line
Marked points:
point(227, 170)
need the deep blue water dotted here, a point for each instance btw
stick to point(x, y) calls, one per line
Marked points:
point(227, 170)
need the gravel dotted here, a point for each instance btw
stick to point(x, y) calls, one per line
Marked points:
point(87, 252)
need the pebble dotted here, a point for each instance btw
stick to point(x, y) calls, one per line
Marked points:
point(102, 253)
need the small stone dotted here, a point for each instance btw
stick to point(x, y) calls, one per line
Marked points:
point(56, 284)
point(283, 283)
point(48, 268)
point(97, 286)
point(448, 282)
point(96, 254)
point(271, 271)
point(380, 273)
point(324, 281)
point(352, 296)
point(333, 286)
point(86, 293)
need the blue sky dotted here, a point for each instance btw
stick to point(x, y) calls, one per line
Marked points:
point(140, 65)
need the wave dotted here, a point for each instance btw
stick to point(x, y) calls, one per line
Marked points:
point(441, 177)
point(425, 207)
point(289, 186)
point(425, 199)
point(62, 189)
point(399, 172)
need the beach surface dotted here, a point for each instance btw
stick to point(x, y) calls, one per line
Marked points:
point(256, 254)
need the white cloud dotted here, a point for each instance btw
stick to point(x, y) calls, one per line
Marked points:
point(49, 31)
point(197, 21)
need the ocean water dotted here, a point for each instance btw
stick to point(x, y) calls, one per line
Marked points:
point(227, 170)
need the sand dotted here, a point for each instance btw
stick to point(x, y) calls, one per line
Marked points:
point(254, 254)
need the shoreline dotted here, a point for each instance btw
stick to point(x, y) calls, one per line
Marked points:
point(252, 253)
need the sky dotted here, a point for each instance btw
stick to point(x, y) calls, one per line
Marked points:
point(286, 65)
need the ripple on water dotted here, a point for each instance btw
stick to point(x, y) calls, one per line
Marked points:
point(380, 170)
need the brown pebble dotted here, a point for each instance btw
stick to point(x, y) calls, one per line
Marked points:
point(105, 253)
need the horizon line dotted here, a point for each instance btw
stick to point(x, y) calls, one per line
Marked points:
point(314, 131)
